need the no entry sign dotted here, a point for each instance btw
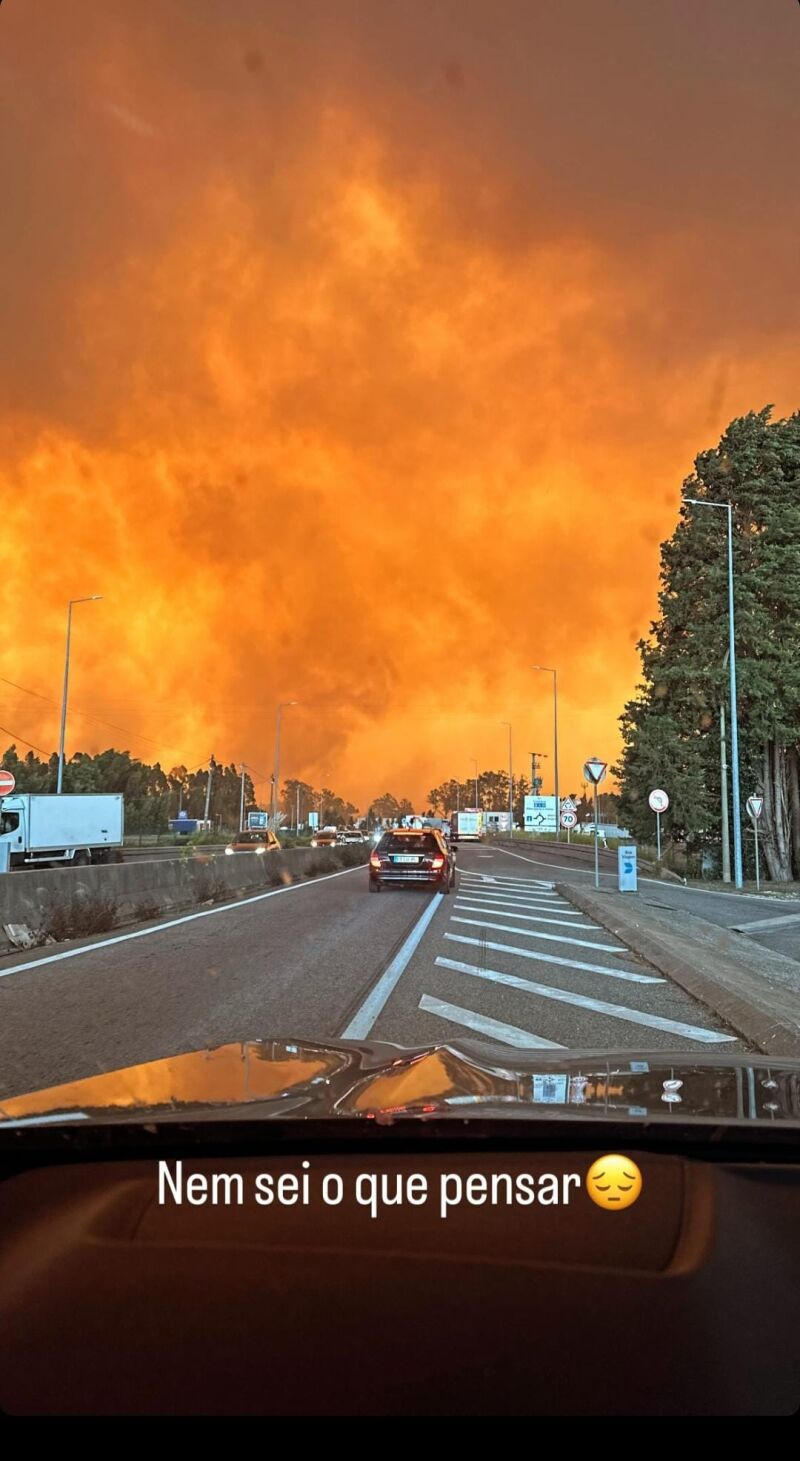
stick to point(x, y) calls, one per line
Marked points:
point(7, 782)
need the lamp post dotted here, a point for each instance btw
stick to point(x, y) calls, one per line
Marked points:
point(737, 814)
point(723, 767)
point(545, 669)
point(92, 599)
point(241, 801)
point(276, 773)
point(507, 723)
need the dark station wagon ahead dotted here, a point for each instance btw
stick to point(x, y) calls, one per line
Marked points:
point(412, 856)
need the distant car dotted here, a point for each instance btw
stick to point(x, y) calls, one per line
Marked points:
point(262, 840)
point(325, 838)
point(353, 835)
point(414, 856)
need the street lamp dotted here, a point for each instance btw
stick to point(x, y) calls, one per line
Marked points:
point(92, 599)
point(507, 723)
point(737, 814)
point(474, 761)
point(241, 800)
point(548, 671)
point(276, 773)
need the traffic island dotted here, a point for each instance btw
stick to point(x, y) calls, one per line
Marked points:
point(752, 990)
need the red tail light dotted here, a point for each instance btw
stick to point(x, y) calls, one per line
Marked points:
point(374, 860)
point(438, 862)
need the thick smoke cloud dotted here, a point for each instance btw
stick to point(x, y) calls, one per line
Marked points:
point(355, 352)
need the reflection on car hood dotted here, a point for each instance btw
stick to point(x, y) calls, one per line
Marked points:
point(305, 1079)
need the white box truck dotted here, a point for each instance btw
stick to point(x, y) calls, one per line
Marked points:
point(466, 826)
point(39, 830)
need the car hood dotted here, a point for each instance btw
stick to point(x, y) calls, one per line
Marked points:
point(381, 1082)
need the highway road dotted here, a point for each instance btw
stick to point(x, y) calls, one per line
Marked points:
point(504, 959)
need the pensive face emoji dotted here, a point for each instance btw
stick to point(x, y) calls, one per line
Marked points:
point(613, 1182)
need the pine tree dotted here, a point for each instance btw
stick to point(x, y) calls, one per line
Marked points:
point(671, 730)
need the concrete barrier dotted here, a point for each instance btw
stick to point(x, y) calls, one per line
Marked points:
point(62, 903)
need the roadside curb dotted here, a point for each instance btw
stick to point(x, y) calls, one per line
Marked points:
point(764, 1013)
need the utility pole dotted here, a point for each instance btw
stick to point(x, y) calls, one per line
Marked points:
point(241, 803)
point(536, 757)
point(92, 599)
point(208, 789)
point(548, 670)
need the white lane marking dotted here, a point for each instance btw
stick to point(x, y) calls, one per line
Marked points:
point(500, 898)
point(506, 1034)
point(121, 938)
point(496, 877)
point(565, 867)
point(756, 925)
point(363, 1020)
point(473, 905)
point(627, 974)
point(519, 900)
point(657, 882)
point(56, 1117)
point(545, 885)
point(553, 938)
point(513, 894)
point(599, 1006)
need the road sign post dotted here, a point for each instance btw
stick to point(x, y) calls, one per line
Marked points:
point(755, 806)
point(658, 802)
point(568, 817)
point(594, 770)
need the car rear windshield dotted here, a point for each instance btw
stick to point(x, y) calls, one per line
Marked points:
point(396, 842)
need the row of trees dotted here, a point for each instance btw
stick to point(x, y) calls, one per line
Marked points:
point(153, 796)
point(672, 727)
point(493, 797)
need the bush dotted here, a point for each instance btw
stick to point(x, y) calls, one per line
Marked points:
point(145, 909)
point(208, 887)
point(79, 915)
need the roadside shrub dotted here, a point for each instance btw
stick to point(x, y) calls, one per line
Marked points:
point(79, 916)
point(145, 909)
point(207, 887)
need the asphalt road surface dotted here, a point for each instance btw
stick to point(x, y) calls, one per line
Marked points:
point(503, 958)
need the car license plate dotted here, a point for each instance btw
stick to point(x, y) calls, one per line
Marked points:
point(406, 857)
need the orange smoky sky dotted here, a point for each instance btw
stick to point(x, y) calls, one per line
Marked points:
point(355, 353)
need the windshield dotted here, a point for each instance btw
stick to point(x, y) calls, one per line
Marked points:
point(407, 842)
point(400, 432)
